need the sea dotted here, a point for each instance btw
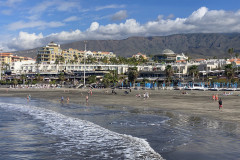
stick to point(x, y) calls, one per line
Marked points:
point(41, 130)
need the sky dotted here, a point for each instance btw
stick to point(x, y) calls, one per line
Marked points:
point(27, 24)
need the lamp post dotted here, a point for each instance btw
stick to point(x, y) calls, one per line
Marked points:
point(85, 43)
point(1, 65)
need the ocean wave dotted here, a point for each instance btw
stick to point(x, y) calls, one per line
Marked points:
point(85, 138)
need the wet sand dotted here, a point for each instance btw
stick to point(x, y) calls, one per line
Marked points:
point(196, 103)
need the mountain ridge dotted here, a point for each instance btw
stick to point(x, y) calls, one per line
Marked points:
point(197, 45)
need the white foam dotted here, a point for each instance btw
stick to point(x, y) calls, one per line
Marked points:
point(83, 136)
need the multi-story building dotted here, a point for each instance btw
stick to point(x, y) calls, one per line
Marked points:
point(49, 53)
point(53, 52)
point(99, 55)
point(169, 56)
point(6, 58)
point(138, 55)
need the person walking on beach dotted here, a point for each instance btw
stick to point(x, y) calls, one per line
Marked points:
point(67, 99)
point(62, 98)
point(87, 98)
point(220, 103)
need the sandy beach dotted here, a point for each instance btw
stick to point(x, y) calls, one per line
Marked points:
point(196, 103)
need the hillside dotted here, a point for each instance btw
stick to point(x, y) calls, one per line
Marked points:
point(195, 45)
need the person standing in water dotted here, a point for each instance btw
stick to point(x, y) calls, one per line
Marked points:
point(62, 98)
point(220, 103)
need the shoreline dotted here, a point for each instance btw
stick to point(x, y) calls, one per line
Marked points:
point(195, 103)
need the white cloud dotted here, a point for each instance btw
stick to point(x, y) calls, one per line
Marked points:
point(58, 5)
point(34, 24)
point(26, 41)
point(10, 3)
point(94, 26)
point(6, 12)
point(121, 15)
point(113, 6)
point(201, 21)
point(170, 16)
point(67, 6)
point(70, 19)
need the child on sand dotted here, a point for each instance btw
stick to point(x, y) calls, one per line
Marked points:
point(213, 97)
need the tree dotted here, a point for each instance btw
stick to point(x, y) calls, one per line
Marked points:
point(122, 60)
point(109, 78)
point(59, 59)
point(114, 60)
point(193, 70)
point(104, 60)
point(133, 74)
point(15, 81)
point(23, 78)
point(142, 60)
point(231, 51)
point(169, 73)
point(61, 77)
point(39, 78)
point(92, 79)
point(90, 59)
point(75, 60)
point(229, 71)
point(236, 55)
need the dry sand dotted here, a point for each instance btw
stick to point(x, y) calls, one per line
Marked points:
point(196, 103)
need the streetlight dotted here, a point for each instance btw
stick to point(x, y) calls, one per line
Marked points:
point(85, 43)
point(1, 65)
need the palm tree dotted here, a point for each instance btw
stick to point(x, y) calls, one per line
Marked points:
point(229, 72)
point(114, 60)
point(23, 77)
point(231, 51)
point(75, 58)
point(193, 70)
point(39, 78)
point(15, 81)
point(104, 60)
point(169, 73)
point(109, 78)
point(61, 77)
point(133, 74)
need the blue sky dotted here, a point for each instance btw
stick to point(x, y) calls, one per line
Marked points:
point(26, 24)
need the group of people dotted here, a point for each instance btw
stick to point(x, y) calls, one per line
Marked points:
point(62, 99)
point(145, 95)
point(215, 98)
point(28, 97)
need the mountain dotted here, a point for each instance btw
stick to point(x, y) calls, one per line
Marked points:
point(199, 45)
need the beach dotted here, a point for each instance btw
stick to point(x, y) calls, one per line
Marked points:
point(168, 124)
point(195, 103)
